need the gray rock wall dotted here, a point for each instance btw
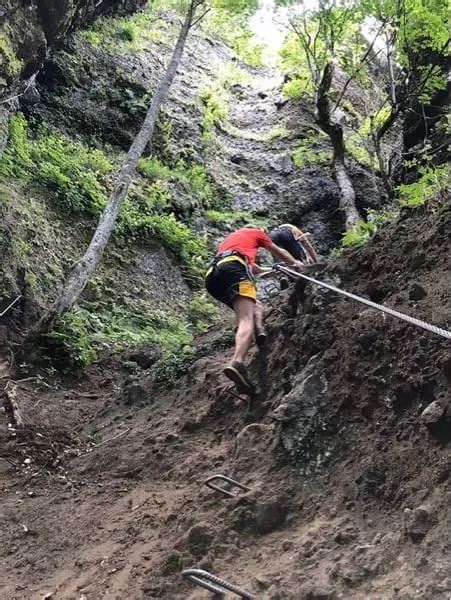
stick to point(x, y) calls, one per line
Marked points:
point(29, 27)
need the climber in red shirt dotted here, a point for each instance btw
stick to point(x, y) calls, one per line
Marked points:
point(230, 278)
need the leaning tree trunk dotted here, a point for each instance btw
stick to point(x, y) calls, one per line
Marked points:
point(79, 277)
point(335, 132)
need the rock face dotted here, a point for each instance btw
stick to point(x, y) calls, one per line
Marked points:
point(28, 30)
point(301, 412)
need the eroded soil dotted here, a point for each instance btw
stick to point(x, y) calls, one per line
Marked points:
point(102, 489)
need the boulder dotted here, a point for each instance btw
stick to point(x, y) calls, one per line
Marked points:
point(418, 521)
point(432, 413)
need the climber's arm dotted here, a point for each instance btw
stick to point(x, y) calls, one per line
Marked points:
point(308, 246)
point(283, 255)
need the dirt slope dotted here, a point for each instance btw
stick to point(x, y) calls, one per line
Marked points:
point(349, 490)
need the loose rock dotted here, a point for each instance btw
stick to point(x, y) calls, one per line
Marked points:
point(432, 413)
point(417, 522)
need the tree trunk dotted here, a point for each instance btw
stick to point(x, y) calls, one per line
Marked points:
point(382, 166)
point(79, 277)
point(335, 132)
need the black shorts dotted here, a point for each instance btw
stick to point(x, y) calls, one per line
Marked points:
point(229, 279)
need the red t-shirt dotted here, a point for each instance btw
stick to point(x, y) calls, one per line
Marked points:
point(246, 241)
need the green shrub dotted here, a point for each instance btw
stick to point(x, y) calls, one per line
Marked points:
point(358, 235)
point(190, 249)
point(431, 182)
point(201, 312)
point(126, 34)
point(196, 177)
point(355, 145)
point(310, 152)
point(69, 340)
point(248, 49)
point(296, 88)
point(16, 159)
point(171, 367)
point(218, 217)
point(76, 176)
point(215, 111)
point(193, 176)
point(365, 229)
point(154, 169)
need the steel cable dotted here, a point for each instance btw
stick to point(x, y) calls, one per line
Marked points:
point(445, 333)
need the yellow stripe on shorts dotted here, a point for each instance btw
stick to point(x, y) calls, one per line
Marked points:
point(247, 289)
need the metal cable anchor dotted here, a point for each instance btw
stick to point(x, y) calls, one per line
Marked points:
point(214, 584)
point(214, 486)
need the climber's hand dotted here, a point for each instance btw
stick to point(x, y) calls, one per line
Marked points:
point(299, 266)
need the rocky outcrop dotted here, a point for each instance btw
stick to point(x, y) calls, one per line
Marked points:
point(29, 28)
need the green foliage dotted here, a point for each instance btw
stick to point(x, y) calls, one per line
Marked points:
point(358, 235)
point(358, 147)
point(431, 182)
point(172, 366)
point(194, 176)
point(231, 25)
point(224, 217)
point(16, 159)
point(154, 169)
point(75, 175)
point(421, 28)
point(328, 33)
point(128, 34)
point(376, 121)
point(294, 60)
point(273, 134)
point(79, 179)
point(10, 64)
point(215, 110)
point(381, 217)
point(247, 49)
point(137, 322)
point(298, 87)
point(366, 229)
point(190, 249)
point(70, 341)
point(201, 312)
point(197, 179)
point(311, 152)
point(348, 107)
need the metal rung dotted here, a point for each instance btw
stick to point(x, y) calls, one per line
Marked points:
point(210, 483)
point(214, 584)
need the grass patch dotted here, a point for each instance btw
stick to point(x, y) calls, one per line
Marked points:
point(127, 35)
